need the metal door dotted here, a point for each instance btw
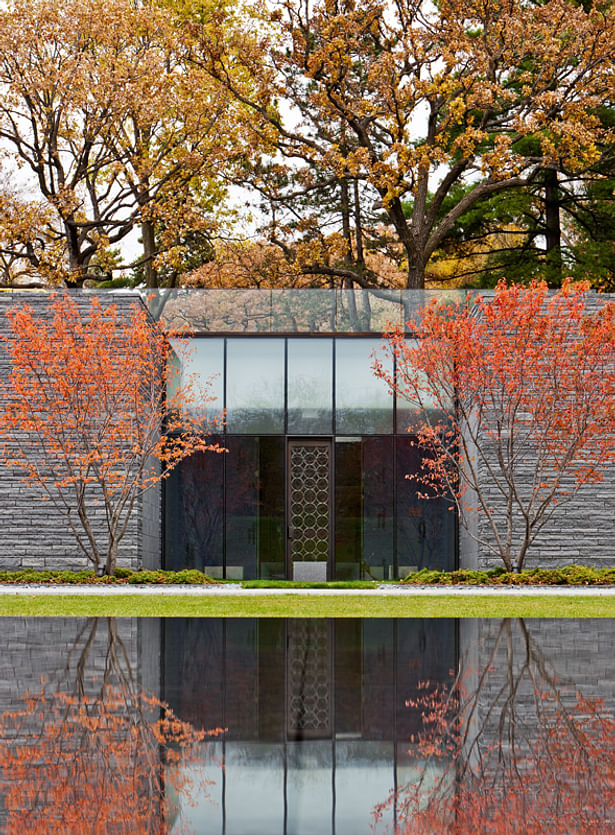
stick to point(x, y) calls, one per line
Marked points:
point(310, 513)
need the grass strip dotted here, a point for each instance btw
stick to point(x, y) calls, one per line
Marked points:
point(316, 606)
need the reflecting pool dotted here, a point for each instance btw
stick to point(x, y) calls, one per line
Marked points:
point(263, 726)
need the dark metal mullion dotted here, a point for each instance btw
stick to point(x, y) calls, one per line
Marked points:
point(285, 786)
point(332, 568)
point(395, 694)
point(286, 476)
point(394, 395)
point(287, 508)
point(395, 537)
point(163, 523)
point(224, 678)
point(285, 386)
point(331, 554)
point(333, 384)
point(362, 560)
point(457, 442)
point(224, 479)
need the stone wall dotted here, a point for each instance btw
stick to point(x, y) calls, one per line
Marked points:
point(581, 530)
point(33, 533)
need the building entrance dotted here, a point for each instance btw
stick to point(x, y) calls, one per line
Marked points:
point(309, 532)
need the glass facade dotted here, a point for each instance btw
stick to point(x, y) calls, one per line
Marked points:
point(362, 402)
point(306, 311)
point(310, 386)
point(229, 514)
point(254, 385)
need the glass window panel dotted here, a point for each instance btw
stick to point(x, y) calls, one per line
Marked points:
point(291, 310)
point(426, 529)
point(379, 693)
point(426, 651)
point(411, 415)
point(254, 777)
point(307, 310)
point(364, 774)
point(191, 646)
point(308, 777)
point(202, 811)
point(202, 362)
point(255, 508)
point(348, 513)
point(255, 386)
point(363, 404)
point(348, 671)
point(310, 386)
point(193, 514)
point(367, 310)
point(378, 475)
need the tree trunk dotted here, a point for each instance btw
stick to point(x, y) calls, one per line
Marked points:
point(416, 276)
point(553, 234)
point(111, 561)
point(74, 255)
point(148, 235)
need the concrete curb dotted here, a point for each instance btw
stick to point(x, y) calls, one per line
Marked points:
point(234, 591)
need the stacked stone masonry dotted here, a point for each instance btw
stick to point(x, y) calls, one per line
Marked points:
point(33, 534)
point(581, 530)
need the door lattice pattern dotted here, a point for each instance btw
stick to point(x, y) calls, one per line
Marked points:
point(309, 686)
point(309, 502)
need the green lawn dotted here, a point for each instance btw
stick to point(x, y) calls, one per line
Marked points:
point(290, 605)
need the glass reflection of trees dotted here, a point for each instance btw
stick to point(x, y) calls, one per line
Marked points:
point(516, 752)
point(95, 754)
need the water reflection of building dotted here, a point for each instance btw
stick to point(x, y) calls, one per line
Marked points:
point(318, 731)
point(73, 723)
point(318, 727)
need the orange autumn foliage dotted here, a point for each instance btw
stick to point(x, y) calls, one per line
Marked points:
point(96, 764)
point(86, 415)
point(551, 772)
point(514, 404)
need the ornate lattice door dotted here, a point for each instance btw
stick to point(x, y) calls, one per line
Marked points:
point(309, 509)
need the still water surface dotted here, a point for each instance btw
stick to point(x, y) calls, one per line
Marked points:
point(263, 726)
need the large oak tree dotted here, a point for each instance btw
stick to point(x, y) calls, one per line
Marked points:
point(105, 129)
point(414, 103)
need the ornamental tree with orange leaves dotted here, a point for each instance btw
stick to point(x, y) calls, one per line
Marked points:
point(514, 404)
point(85, 414)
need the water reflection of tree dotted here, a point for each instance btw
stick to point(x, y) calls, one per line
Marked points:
point(92, 753)
point(514, 751)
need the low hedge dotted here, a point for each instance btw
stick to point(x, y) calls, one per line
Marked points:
point(122, 576)
point(569, 575)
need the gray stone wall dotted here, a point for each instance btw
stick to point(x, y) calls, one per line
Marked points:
point(33, 533)
point(582, 530)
